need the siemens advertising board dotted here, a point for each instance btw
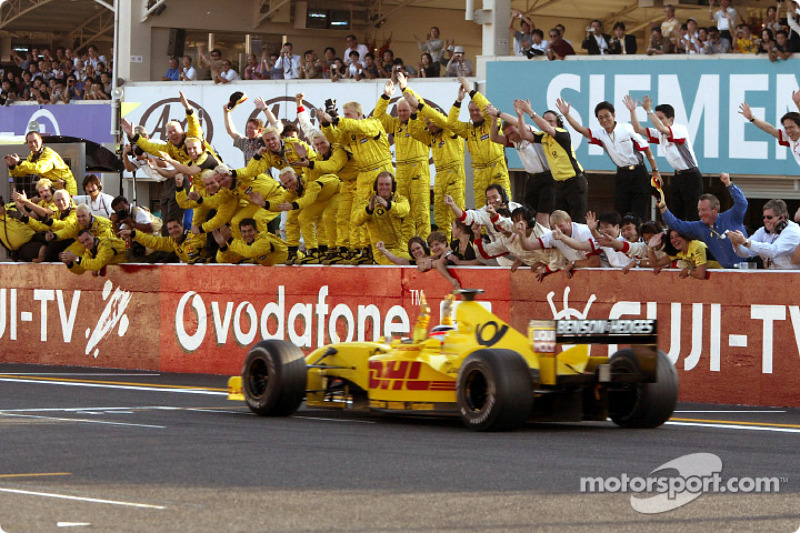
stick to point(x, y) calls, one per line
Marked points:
point(705, 92)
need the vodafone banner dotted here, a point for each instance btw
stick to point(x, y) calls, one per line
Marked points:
point(734, 338)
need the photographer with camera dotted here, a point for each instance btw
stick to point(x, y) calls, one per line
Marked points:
point(288, 63)
point(775, 242)
point(126, 216)
point(596, 42)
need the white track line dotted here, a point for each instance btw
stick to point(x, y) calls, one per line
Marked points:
point(58, 419)
point(82, 499)
point(119, 387)
point(734, 426)
point(83, 374)
point(730, 412)
point(335, 419)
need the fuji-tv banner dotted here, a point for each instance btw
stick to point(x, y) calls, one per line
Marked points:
point(91, 121)
point(705, 91)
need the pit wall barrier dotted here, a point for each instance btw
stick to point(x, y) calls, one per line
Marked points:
point(734, 338)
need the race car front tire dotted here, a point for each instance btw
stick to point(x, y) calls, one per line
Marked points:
point(643, 405)
point(274, 378)
point(494, 390)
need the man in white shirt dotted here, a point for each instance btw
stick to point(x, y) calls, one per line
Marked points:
point(789, 136)
point(353, 46)
point(228, 74)
point(563, 225)
point(687, 185)
point(775, 241)
point(726, 18)
point(624, 147)
point(188, 72)
point(288, 63)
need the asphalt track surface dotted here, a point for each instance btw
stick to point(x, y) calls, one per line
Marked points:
point(119, 451)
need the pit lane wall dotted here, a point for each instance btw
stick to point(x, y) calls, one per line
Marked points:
point(734, 338)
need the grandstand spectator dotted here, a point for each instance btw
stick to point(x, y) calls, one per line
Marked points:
point(227, 74)
point(173, 72)
point(559, 48)
point(458, 67)
point(252, 71)
point(716, 43)
point(310, 66)
point(689, 43)
point(539, 46)
point(433, 44)
point(522, 38)
point(713, 226)
point(745, 43)
point(353, 67)
point(59, 94)
point(658, 44)
point(188, 72)
point(288, 62)
point(386, 63)
point(670, 26)
point(621, 43)
point(781, 50)
point(370, 68)
point(212, 61)
point(726, 18)
point(766, 43)
point(94, 57)
point(427, 67)
point(596, 42)
point(354, 46)
point(772, 21)
point(324, 63)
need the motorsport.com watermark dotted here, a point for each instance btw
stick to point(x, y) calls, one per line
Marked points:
point(697, 473)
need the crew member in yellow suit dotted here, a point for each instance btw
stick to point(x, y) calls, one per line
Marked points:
point(44, 162)
point(254, 246)
point(388, 219)
point(97, 253)
point(413, 172)
point(488, 157)
point(367, 140)
point(447, 149)
point(189, 247)
point(316, 202)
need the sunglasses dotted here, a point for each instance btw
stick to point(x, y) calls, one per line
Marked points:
point(769, 217)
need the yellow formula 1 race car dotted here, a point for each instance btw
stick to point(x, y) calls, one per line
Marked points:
point(476, 367)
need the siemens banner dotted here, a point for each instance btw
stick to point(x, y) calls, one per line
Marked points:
point(705, 91)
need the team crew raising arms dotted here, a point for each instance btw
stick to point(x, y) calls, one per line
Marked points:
point(347, 200)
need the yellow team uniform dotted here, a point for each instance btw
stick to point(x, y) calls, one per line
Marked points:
point(100, 227)
point(190, 249)
point(367, 141)
point(47, 164)
point(267, 250)
point(394, 226)
point(447, 149)
point(59, 220)
point(488, 157)
point(14, 233)
point(413, 171)
point(106, 252)
point(316, 202)
point(178, 153)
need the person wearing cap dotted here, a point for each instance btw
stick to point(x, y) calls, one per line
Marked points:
point(488, 157)
point(458, 67)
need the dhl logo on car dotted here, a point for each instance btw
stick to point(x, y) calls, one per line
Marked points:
point(403, 375)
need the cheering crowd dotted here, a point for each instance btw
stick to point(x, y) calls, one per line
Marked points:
point(346, 201)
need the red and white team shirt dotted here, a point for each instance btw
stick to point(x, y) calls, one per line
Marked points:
point(623, 145)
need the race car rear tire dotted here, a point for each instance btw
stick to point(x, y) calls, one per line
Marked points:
point(494, 390)
point(643, 405)
point(274, 378)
